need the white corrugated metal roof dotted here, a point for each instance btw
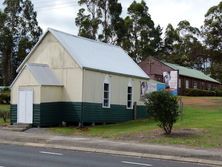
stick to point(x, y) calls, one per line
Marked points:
point(43, 74)
point(98, 55)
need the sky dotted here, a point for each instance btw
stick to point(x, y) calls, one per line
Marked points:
point(60, 14)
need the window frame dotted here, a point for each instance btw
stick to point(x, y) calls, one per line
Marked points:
point(106, 81)
point(179, 84)
point(127, 100)
point(187, 84)
point(195, 84)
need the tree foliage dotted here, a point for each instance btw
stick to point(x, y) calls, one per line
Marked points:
point(19, 32)
point(99, 19)
point(212, 31)
point(144, 37)
point(164, 108)
point(140, 37)
point(183, 46)
point(136, 33)
point(89, 18)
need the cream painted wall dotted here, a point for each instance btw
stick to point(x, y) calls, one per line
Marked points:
point(70, 74)
point(93, 88)
point(50, 52)
point(51, 94)
point(25, 80)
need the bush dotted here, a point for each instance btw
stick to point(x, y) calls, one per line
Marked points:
point(164, 108)
point(218, 92)
point(4, 115)
point(200, 92)
point(5, 98)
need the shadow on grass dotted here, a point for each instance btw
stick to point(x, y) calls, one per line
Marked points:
point(185, 133)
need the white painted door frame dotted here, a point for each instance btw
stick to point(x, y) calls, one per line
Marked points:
point(25, 106)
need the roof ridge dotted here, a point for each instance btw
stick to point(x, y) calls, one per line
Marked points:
point(180, 65)
point(84, 38)
point(209, 78)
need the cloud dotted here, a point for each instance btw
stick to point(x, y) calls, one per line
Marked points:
point(58, 15)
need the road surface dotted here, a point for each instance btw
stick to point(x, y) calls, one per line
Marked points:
point(23, 156)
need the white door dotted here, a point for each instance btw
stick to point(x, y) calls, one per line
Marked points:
point(25, 106)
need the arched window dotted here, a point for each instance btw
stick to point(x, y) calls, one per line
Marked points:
point(106, 92)
point(130, 95)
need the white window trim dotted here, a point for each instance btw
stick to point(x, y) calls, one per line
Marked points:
point(179, 85)
point(129, 85)
point(106, 81)
point(187, 84)
point(195, 84)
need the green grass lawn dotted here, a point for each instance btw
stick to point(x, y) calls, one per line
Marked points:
point(4, 107)
point(200, 126)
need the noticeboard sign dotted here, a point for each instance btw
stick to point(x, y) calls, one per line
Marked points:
point(171, 80)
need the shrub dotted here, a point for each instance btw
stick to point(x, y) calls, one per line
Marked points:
point(4, 98)
point(218, 92)
point(4, 115)
point(164, 108)
point(200, 92)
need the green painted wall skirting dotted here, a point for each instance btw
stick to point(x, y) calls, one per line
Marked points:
point(13, 113)
point(50, 114)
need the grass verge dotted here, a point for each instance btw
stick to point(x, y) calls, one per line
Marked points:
point(200, 126)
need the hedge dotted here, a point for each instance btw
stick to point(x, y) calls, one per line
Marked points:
point(200, 92)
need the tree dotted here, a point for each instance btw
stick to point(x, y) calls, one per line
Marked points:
point(6, 47)
point(191, 50)
point(164, 108)
point(100, 20)
point(171, 43)
point(111, 11)
point(183, 46)
point(212, 30)
point(19, 33)
point(88, 20)
point(144, 38)
point(30, 31)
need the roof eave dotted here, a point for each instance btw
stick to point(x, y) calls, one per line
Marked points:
point(115, 73)
point(200, 79)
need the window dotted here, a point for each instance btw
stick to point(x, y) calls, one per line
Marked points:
point(179, 83)
point(187, 84)
point(203, 85)
point(209, 86)
point(106, 96)
point(195, 84)
point(129, 97)
point(106, 92)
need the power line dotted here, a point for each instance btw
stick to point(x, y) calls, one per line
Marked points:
point(54, 7)
point(52, 3)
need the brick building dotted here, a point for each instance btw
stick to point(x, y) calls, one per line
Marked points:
point(188, 77)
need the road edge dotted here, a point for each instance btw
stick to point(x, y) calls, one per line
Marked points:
point(116, 152)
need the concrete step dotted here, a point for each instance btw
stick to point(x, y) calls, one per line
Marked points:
point(17, 127)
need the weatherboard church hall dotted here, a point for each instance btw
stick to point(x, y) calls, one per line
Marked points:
point(74, 79)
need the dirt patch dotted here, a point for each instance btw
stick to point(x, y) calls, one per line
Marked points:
point(158, 133)
point(202, 101)
point(184, 133)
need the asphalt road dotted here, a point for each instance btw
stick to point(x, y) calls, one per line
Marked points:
point(22, 156)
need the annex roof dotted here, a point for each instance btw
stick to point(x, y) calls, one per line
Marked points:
point(189, 72)
point(43, 74)
point(95, 55)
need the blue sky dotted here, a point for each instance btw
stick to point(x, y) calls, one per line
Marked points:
point(60, 14)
